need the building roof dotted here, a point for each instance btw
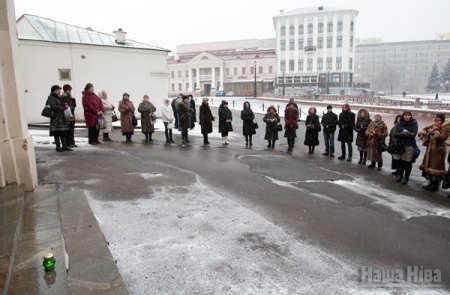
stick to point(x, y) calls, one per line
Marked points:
point(48, 30)
point(229, 54)
point(402, 43)
point(313, 10)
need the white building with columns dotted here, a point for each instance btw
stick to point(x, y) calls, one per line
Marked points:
point(229, 66)
point(315, 49)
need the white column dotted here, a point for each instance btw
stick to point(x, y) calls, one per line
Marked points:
point(213, 78)
point(191, 87)
point(221, 78)
point(198, 79)
point(17, 158)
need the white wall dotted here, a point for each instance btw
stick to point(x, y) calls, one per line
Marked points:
point(116, 70)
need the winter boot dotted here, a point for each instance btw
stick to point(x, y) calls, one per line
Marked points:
point(250, 141)
point(407, 167)
point(434, 184)
point(360, 158)
point(58, 144)
point(150, 137)
point(64, 144)
point(273, 144)
point(223, 140)
point(270, 144)
point(364, 159)
point(372, 165)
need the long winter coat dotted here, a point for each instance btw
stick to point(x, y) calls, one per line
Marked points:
point(225, 115)
point(329, 122)
point(272, 119)
point(146, 108)
point(92, 105)
point(193, 113)
point(290, 122)
point(205, 119)
point(312, 130)
point(409, 138)
point(126, 116)
point(184, 116)
point(433, 162)
point(107, 114)
point(58, 122)
point(247, 117)
point(360, 128)
point(346, 123)
point(167, 114)
point(376, 134)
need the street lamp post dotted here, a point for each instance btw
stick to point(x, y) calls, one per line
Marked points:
point(254, 90)
point(283, 83)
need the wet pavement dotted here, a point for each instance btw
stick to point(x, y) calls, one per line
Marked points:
point(235, 220)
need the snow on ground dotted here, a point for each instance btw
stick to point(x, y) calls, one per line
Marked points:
point(194, 240)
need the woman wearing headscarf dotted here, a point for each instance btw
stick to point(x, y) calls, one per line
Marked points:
point(148, 118)
point(290, 124)
point(168, 119)
point(184, 118)
point(59, 125)
point(312, 130)
point(108, 108)
point(346, 123)
point(225, 119)
point(93, 108)
point(248, 126)
point(376, 134)
point(271, 118)
point(362, 122)
point(126, 109)
point(205, 119)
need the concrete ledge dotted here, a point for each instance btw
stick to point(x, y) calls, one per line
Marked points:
point(92, 268)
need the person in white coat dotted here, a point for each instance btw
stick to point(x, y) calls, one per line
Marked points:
point(168, 120)
point(108, 109)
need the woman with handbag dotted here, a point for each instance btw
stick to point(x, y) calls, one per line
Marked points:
point(184, 118)
point(225, 119)
point(405, 132)
point(395, 147)
point(205, 118)
point(376, 133)
point(108, 109)
point(362, 122)
point(433, 164)
point(148, 118)
point(248, 125)
point(168, 120)
point(126, 109)
point(59, 125)
point(93, 108)
point(291, 124)
point(271, 118)
point(313, 128)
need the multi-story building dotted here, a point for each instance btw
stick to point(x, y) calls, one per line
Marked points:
point(400, 66)
point(229, 67)
point(315, 49)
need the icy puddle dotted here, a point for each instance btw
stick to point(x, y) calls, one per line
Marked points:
point(192, 240)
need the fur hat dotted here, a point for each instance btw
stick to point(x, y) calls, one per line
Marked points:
point(55, 87)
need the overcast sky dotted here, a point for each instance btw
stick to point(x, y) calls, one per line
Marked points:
point(168, 23)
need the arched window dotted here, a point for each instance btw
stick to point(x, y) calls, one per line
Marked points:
point(339, 26)
point(310, 28)
point(330, 27)
point(320, 28)
point(283, 31)
point(351, 26)
point(300, 29)
point(291, 30)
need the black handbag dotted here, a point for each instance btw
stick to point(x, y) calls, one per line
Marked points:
point(134, 121)
point(279, 127)
point(114, 117)
point(47, 112)
point(255, 125)
point(382, 147)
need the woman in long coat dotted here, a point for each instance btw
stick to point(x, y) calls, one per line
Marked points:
point(271, 118)
point(205, 119)
point(433, 164)
point(291, 124)
point(168, 120)
point(108, 108)
point(193, 111)
point(346, 123)
point(126, 109)
point(59, 126)
point(376, 134)
point(395, 147)
point(184, 118)
point(93, 108)
point(248, 126)
point(225, 119)
point(146, 108)
point(362, 122)
point(313, 128)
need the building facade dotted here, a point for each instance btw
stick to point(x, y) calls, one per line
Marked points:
point(400, 66)
point(315, 50)
point(53, 52)
point(232, 67)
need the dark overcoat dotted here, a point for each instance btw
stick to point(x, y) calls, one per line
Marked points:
point(146, 108)
point(205, 119)
point(126, 109)
point(312, 130)
point(346, 123)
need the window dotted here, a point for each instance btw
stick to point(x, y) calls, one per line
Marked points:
point(319, 64)
point(300, 29)
point(329, 63)
point(260, 70)
point(179, 74)
point(180, 87)
point(300, 65)
point(291, 65)
point(320, 28)
point(235, 71)
point(186, 73)
point(310, 28)
point(283, 44)
point(329, 42)
point(291, 30)
point(338, 63)
point(64, 75)
point(270, 69)
point(350, 63)
point(173, 86)
point(283, 65)
point(283, 31)
point(172, 75)
point(310, 42)
point(339, 41)
point(187, 86)
point(227, 71)
point(252, 70)
point(291, 44)
point(351, 26)
point(309, 64)
point(195, 86)
point(297, 80)
point(330, 27)
point(243, 71)
point(351, 41)
point(300, 44)
point(320, 42)
point(339, 26)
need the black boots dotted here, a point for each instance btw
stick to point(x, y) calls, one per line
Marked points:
point(372, 165)
point(291, 142)
point(58, 144)
point(128, 137)
point(404, 172)
point(362, 158)
point(271, 144)
point(434, 183)
point(311, 149)
point(205, 139)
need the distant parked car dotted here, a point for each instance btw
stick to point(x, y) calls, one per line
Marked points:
point(230, 93)
point(220, 93)
point(380, 93)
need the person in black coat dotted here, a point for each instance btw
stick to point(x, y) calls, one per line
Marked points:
point(346, 123)
point(205, 119)
point(329, 123)
point(175, 102)
point(72, 103)
point(193, 111)
point(312, 130)
point(225, 118)
point(248, 126)
point(59, 126)
point(271, 118)
point(184, 117)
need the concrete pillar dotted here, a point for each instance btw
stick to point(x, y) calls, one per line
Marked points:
point(17, 158)
point(213, 78)
point(191, 86)
point(198, 78)
point(221, 78)
point(417, 103)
